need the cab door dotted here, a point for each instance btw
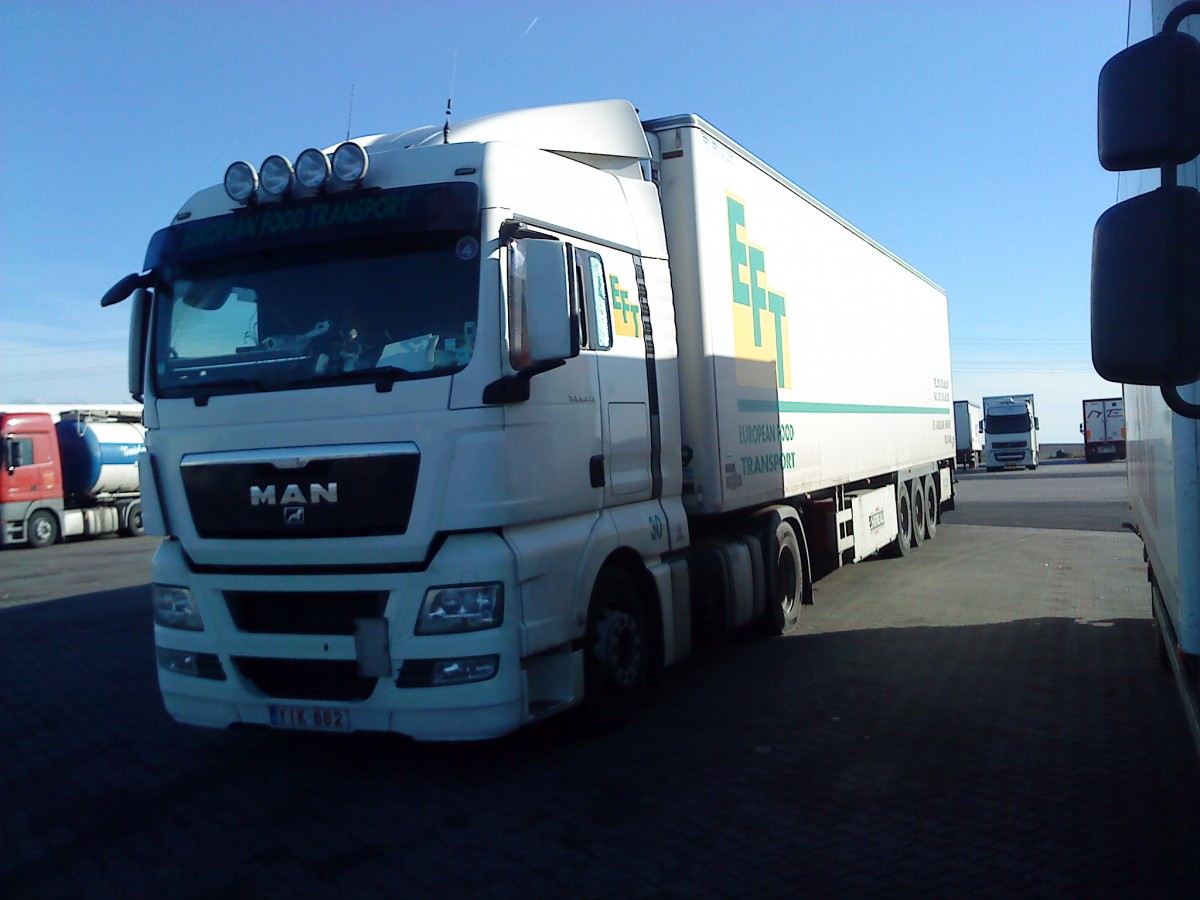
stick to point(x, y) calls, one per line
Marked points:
point(614, 334)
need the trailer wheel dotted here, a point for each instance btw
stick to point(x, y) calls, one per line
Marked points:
point(917, 504)
point(929, 491)
point(41, 530)
point(616, 661)
point(904, 522)
point(133, 521)
point(785, 580)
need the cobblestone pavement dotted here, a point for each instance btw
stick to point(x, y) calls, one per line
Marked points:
point(985, 717)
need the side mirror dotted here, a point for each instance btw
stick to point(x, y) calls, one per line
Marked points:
point(1148, 114)
point(1145, 270)
point(125, 287)
point(1036, 425)
point(1146, 289)
point(542, 329)
point(139, 329)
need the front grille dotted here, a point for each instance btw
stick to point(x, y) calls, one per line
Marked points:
point(1009, 444)
point(304, 493)
point(306, 679)
point(303, 612)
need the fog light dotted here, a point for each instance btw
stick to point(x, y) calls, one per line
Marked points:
point(185, 662)
point(465, 670)
point(422, 673)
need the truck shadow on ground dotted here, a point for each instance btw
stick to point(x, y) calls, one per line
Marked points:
point(1040, 754)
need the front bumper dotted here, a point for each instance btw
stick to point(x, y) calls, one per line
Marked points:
point(276, 661)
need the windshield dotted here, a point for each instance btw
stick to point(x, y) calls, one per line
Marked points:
point(377, 285)
point(1018, 424)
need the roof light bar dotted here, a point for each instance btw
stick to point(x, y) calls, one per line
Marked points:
point(241, 182)
point(312, 168)
point(276, 175)
point(350, 162)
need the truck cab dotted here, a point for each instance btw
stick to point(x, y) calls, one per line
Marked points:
point(1010, 429)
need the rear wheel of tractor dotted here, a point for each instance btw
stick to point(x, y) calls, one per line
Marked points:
point(133, 521)
point(42, 530)
point(917, 503)
point(929, 489)
point(616, 661)
point(785, 585)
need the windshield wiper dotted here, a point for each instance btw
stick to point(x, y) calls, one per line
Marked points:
point(383, 377)
point(205, 390)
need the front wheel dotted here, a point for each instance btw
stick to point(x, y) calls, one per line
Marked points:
point(42, 530)
point(616, 662)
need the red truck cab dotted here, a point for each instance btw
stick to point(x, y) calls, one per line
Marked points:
point(31, 482)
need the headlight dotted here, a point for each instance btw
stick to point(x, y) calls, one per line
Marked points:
point(174, 608)
point(276, 175)
point(241, 182)
point(454, 610)
point(349, 162)
point(312, 168)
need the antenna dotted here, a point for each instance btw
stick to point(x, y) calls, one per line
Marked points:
point(350, 116)
point(450, 100)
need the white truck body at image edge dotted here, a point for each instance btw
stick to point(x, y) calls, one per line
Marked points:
point(473, 431)
point(1163, 450)
point(1010, 428)
point(1103, 429)
point(968, 433)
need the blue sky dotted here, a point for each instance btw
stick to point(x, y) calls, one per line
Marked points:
point(959, 135)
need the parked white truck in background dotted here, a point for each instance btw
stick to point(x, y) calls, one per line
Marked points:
point(450, 430)
point(1144, 308)
point(1103, 429)
point(968, 434)
point(1010, 428)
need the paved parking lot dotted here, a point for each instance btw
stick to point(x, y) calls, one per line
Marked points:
point(982, 718)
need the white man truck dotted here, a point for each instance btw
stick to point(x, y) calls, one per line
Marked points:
point(1103, 429)
point(968, 434)
point(451, 430)
point(74, 477)
point(1010, 427)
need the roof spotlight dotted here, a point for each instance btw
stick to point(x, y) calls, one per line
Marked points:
point(276, 175)
point(241, 182)
point(312, 168)
point(350, 162)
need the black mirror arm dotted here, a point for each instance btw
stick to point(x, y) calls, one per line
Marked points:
point(1170, 173)
point(1179, 13)
point(1178, 405)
